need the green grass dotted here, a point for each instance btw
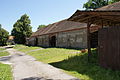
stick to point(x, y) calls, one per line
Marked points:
point(3, 53)
point(1, 49)
point(78, 66)
point(24, 48)
point(19, 46)
point(5, 72)
point(75, 64)
point(52, 54)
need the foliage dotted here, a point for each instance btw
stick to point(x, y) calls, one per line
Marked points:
point(93, 4)
point(5, 72)
point(3, 36)
point(75, 63)
point(41, 26)
point(113, 1)
point(22, 29)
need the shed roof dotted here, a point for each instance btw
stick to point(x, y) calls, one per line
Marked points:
point(109, 13)
point(11, 37)
point(96, 16)
point(112, 7)
point(60, 26)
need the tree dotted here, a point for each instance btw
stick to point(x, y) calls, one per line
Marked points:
point(41, 26)
point(22, 29)
point(94, 4)
point(3, 36)
point(113, 1)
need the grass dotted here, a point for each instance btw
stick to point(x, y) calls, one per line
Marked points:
point(1, 49)
point(3, 53)
point(75, 64)
point(79, 67)
point(24, 48)
point(50, 55)
point(19, 46)
point(5, 70)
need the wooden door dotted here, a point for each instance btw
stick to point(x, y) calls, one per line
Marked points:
point(109, 47)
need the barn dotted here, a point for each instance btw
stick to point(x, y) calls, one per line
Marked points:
point(67, 34)
point(108, 17)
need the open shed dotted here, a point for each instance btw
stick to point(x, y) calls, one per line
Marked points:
point(108, 18)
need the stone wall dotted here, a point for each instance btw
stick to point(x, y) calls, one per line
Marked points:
point(31, 41)
point(43, 40)
point(72, 39)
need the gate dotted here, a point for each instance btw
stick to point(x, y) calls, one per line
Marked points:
point(109, 47)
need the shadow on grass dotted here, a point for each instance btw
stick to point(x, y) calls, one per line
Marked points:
point(5, 58)
point(55, 47)
point(34, 78)
point(80, 65)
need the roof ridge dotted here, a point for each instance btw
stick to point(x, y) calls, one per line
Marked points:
point(113, 6)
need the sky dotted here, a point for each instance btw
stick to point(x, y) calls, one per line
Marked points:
point(40, 11)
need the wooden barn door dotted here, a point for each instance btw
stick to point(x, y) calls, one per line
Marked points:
point(36, 41)
point(53, 41)
point(109, 47)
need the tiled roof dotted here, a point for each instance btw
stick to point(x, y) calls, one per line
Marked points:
point(112, 7)
point(11, 37)
point(63, 25)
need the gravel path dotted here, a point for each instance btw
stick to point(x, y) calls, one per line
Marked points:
point(27, 68)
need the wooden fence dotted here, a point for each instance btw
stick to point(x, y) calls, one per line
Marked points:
point(109, 47)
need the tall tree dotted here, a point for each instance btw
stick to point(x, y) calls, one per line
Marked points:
point(22, 29)
point(41, 26)
point(113, 1)
point(94, 4)
point(3, 36)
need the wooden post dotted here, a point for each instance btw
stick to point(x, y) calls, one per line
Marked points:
point(108, 23)
point(102, 23)
point(88, 40)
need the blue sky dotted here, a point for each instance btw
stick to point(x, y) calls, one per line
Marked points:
point(39, 11)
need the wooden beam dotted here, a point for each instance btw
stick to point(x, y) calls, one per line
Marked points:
point(88, 40)
point(113, 19)
point(85, 18)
